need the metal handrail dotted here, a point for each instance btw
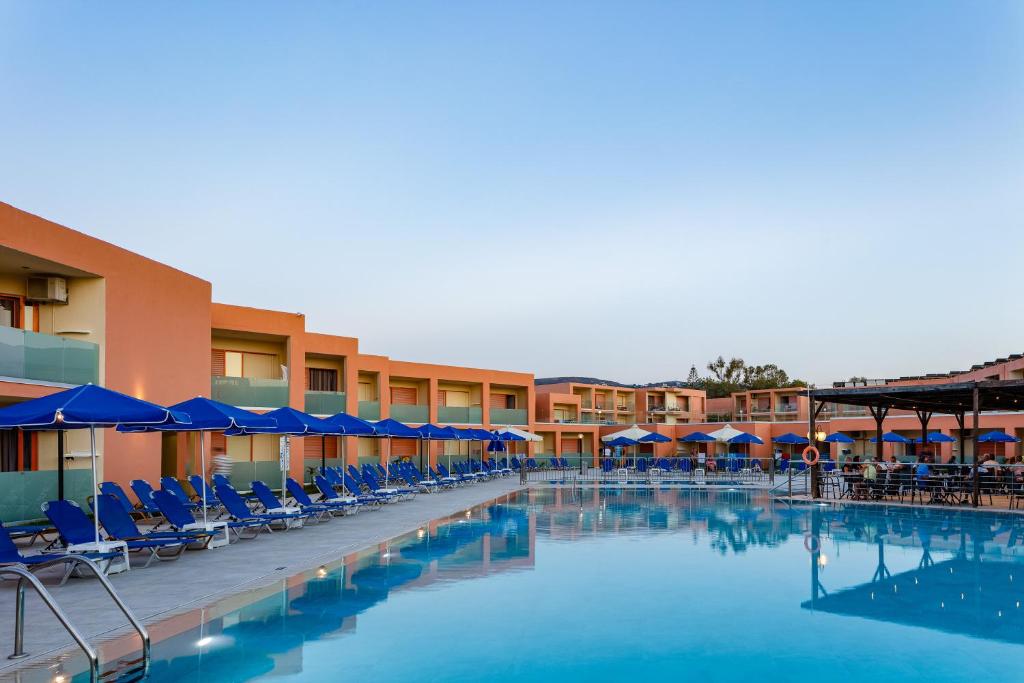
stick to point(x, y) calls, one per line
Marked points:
point(76, 561)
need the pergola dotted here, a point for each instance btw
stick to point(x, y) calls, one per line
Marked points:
point(925, 400)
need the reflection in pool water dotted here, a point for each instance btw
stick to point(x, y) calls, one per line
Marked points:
point(595, 585)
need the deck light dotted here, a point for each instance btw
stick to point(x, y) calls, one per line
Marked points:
point(203, 642)
point(321, 572)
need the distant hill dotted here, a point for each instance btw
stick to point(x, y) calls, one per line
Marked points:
point(675, 383)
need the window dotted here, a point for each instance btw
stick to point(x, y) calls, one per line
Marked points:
point(321, 379)
point(10, 311)
point(403, 396)
point(367, 392)
point(15, 450)
point(244, 364)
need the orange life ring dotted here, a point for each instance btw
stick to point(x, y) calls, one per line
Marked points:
point(811, 544)
point(811, 461)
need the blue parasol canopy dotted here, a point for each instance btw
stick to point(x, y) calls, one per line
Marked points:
point(622, 441)
point(654, 437)
point(293, 422)
point(936, 437)
point(207, 415)
point(87, 406)
point(351, 425)
point(746, 438)
point(837, 437)
point(435, 433)
point(793, 439)
point(997, 437)
point(480, 434)
point(697, 437)
point(891, 437)
point(395, 429)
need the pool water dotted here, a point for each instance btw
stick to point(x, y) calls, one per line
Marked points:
point(630, 584)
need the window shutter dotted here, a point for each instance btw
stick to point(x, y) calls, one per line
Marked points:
point(570, 445)
point(442, 396)
point(217, 362)
point(403, 448)
point(497, 400)
point(403, 396)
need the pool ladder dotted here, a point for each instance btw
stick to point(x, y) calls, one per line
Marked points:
point(25, 577)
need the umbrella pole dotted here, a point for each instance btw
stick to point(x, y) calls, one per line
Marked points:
point(95, 488)
point(60, 464)
point(323, 454)
point(387, 464)
point(202, 463)
point(285, 463)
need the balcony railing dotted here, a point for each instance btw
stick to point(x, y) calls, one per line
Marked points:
point(250, 392)
point(509, 416)
point(410, 413)
point(586, 404)
point(369, 410)
point(24, 492)
point(48, 358)
point(459, 415)
point(325, 402)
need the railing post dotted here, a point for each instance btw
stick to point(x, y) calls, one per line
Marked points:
point(789, 475)
point(19, 621)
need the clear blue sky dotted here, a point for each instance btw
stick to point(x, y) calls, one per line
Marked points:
point(611, 189)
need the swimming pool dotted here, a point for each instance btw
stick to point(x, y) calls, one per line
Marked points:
point(602, 584)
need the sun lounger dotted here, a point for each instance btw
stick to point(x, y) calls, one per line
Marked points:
point(10, 554)
point(120, 526)
point(237, 509)
point(328, 492)
point(173, 486)
point(273, 505)
point(114, 489)
point(181, 518)
point(144, 492)
point(298, 492)
point(75, 528)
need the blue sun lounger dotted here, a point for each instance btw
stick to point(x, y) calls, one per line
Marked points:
point(112, 488)
point(10, 554)
point(181, 517)
point(144, 492)
point(236, 508)
point(120, 526)
point(271, 502)
point(76, 528)
point(174, 487)
point(198, 483)
point(340, 505)
point(328, 492)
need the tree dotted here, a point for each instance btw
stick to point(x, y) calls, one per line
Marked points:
point(728, 377)
point(728, 372)
point(693, 380)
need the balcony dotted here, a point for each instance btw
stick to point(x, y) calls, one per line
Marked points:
point(584, 403)
point(250, 392)
point(410, 413)
point(48, 358)
point(457, 415)
point(508, 416)
point(369, 410)
point(325, 402)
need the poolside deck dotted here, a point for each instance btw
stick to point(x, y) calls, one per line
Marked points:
point(201, 578)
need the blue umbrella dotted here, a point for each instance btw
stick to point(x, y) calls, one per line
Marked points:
point(792, 439)
point(290, 422)
point(891, 437)
point(697, 437)
point(936, 437)
point(393, 429)
point(349, 425)
point(746, 438)
point(995, 437)
point(208, 416)
point(429, 432)
point(87, 407)
point(837, 437)
point(622, 441)
point(483, 436)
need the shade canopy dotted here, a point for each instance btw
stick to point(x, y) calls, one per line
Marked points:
point(622, 441)
point(525, 435)
point(743, 437)
point(838, 437)
point(997, 437)
point(87, 406)
point(891, 437)
point(793, 439)
point(725, 433)
point(496, 447)
point(207, 415)
point(697, 437)
point(395, 429)
point(936, 437)
point(475, 434)
point(350, 425)
point(291, 422)
point(654, 437)
point(635, 433)
point(432, 432)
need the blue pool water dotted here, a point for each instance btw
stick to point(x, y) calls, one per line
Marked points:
point(612, 585)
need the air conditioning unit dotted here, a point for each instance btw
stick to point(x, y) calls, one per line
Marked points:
point(47, 290)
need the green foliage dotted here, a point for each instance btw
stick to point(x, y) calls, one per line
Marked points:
point(730, 376)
